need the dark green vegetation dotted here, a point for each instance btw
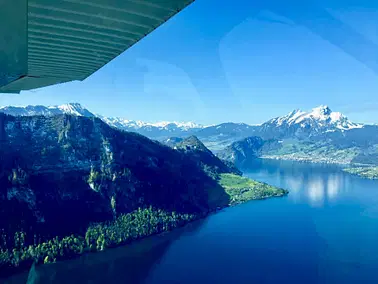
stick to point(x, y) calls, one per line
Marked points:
point(89, 171)
point(122, 230)
point(365, 172)
point(69, 185)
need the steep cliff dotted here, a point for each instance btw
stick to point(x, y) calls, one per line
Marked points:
point(57, 174)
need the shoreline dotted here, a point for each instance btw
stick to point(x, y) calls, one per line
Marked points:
point(312, 161)
point(367, 172)
point(9, 269)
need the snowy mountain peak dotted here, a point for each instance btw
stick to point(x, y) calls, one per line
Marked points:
point(148, 129)
point(74, 109)
point(319, 117)
point(321, 111)
point(163, 125)
point(71, 108)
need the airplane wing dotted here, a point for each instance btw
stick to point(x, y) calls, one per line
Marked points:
point(45, 42)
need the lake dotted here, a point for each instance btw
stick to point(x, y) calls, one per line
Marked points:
point(324, 231)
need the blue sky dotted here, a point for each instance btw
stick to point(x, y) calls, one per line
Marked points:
point(220, 61)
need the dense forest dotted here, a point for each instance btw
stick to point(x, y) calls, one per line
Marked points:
point(17, 252)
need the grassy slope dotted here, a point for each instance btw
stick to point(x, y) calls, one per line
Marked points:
point(365, 172)
point(241, 189)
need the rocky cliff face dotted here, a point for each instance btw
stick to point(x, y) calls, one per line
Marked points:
point(59, 173)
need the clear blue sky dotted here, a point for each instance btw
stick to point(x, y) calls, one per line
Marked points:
point(220, 61)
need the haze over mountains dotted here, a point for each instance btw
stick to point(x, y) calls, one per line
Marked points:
point(320, 135)
point(318, 120)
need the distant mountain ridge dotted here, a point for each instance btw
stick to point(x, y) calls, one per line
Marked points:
point(121, 122)
point(298, 123)
point(317, 134)
point(156, 130)
point(239, 151)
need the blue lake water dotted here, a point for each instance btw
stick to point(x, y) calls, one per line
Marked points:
point(324, 231)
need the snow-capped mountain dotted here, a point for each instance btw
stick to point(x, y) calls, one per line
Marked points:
point(301, 124)
point(156, 130)
point(321, 116)
point(319, 133)
point(227, 130)
point(298, 124)
point(74, 109)
point(71, 108)
point(137, 124)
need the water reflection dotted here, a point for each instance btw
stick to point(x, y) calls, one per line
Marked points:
point(313, 185)
point(334, 183)
point(315, 191)
point(295, 183)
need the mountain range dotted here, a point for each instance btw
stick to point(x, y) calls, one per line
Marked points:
point(297, 123)
point(317, 135)
point(158, 130)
